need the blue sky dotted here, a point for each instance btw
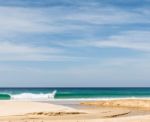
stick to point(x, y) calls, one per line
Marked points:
point(67, 43)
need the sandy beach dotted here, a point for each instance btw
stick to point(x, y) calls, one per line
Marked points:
point(126, 103)
point(74, 60)
point(93, 111)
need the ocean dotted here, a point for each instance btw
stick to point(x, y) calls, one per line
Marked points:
point(47, 94)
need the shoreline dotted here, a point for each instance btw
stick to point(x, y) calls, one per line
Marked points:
point(79, 99)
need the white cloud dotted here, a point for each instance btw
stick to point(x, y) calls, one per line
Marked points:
point(136, 40)
point(101, 15)
point(14, 20)
point(60, 19)
point(18, 52)
point(6, 47)
point(36, 57)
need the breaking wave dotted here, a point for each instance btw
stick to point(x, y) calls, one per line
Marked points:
point(32, 96)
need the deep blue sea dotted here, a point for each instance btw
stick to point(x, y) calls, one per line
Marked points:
point(72, 93)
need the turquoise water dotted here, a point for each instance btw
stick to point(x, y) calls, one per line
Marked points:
point(73, 93)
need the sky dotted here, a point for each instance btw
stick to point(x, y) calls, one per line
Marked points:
point(74, 43)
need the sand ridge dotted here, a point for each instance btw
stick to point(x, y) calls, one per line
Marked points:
point(126, 103)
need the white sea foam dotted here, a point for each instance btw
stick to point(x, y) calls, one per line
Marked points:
point(31, 96)
point(51, 97)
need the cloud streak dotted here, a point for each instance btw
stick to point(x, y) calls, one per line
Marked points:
point(17, 52)
point(40, 20)
point(136, 40)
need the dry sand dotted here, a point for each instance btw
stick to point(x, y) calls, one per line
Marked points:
point(105, 111)
point(127, 103)
point(11, 108)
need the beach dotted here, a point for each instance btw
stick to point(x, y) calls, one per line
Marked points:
point(74, 60)
point(127, 110)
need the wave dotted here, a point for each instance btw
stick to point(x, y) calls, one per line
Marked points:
point(31, 96)
point(5, 96)
point(62, 96)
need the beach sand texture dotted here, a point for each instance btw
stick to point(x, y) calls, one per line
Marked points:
point(17, 111)
point(127, 103)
